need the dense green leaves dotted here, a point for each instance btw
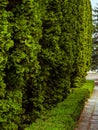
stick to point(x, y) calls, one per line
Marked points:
point(83, 42)
point(45, 49)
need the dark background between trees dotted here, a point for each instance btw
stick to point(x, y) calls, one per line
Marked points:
point(45, 49)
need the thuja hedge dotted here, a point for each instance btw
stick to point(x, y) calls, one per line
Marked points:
point(44, 51)
point(10, 100)
point(56, 57)
point(66, 114)
point(83, 42)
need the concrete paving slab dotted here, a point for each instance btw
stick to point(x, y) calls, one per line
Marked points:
point(82, 126)
point(93, 121)
point(93, 127)
point(94, 117)
point(95, 113)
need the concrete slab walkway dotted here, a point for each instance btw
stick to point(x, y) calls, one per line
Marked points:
point(89, 117)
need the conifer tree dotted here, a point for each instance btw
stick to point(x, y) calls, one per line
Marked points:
point(9, 107)
point(24, 67)
point(45, 49)
point(55, 58)
point(5, 43)
point(83, 42)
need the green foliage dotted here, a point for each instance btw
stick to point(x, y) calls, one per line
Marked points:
point(5, 44)
point(83, 42)
point(19, 61)
point(89, 85)
point(10, 110)
point(54, 124)
point(10, 105)
point(53, 57)
point(45, 49)
point(23, 66)
point(65, 115)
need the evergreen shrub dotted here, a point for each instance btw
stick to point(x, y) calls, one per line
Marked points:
point(83, 42)
point(45, 49)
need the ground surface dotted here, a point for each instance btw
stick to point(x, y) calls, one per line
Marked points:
point(89, 117)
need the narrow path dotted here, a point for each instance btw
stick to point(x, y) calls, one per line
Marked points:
point(89, 117)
